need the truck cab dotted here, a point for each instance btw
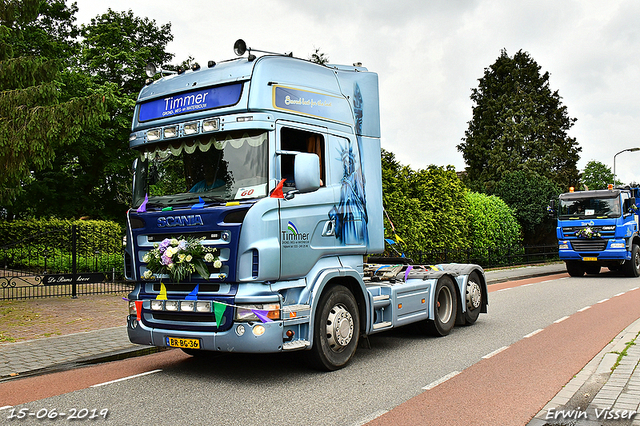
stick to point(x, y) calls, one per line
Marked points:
point(257, 197)
point(599, 229)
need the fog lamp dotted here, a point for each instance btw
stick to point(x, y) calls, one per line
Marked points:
point(203, 306)
point(258, 330)
point(240, 330)
point(187, 305)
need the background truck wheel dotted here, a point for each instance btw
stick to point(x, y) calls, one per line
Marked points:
point(575, 269)
point(592, 269)
point(632, 267)
point(336, 329)
point(445, 306)
point(473, 299)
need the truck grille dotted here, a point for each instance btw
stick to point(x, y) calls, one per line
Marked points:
point(589, 245)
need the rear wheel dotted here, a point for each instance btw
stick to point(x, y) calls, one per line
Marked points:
point(473, 299)
point(445, 307)
point(575, 269)
point(336, 329)
point(632, 267)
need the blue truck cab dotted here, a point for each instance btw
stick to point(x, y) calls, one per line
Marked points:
point(257, 198)
point(599, 229)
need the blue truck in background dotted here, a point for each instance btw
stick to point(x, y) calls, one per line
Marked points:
point(257, 199)
point(599, 229)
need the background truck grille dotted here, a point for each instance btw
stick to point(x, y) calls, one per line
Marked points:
point(589, 245)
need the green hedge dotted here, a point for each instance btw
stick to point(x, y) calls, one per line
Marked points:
point(55, 234)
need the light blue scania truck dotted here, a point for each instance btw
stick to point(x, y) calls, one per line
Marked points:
point(599, 228)
point(260, 177)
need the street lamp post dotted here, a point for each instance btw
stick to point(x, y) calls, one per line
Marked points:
point(614, 161)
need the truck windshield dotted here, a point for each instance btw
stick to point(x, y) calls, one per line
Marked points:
point(590, 207)
point(217, 167)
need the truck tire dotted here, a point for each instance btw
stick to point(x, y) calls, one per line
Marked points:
point(473, 299)
point(575, 269)
point(336, 329)
point(632, 267)
point(592, 269)
point(445, 309)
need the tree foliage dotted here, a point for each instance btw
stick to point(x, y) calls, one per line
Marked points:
point(518, 123)
point(596, 175)
point(528, 194)
point(491, 222)
point(428, 207)
point(92, 176)
point(34, 119)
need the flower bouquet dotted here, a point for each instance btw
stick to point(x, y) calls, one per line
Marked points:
point(587, 233)
point(179, 258)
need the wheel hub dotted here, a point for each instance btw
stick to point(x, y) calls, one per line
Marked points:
point(339, 327)
point(474, 295)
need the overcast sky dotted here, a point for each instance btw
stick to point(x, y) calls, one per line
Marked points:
point(429, 55)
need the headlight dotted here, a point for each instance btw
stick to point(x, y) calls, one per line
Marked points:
point(171, 305)
point(618, 245)
point(187, 305)
point(156, 305)
point(211, 125)
point(132, 307)
point(563, 245)
point(245, 313)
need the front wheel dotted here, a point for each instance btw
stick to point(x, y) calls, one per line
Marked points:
point(632, 267)
point(575, 269)
point(445, 307)
point(336, 329)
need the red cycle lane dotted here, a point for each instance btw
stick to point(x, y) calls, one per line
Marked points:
point(510, 387)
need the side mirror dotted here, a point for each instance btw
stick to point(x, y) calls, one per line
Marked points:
point(630, 206)
point(307, 172)
point(551, 209)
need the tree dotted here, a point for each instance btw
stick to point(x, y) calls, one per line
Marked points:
point(597, 176)
point(527, 194)
point(35, 119)
point(492, 223)
point(427, 207)
point(92, 177)
point(518, 123)
point(319, 57)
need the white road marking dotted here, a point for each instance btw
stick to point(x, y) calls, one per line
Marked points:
point(603, 300)
point(497, 351)
point(441, 380)
point(533, 333)
point(560, 320)
point(584, 309)
point(125, 378)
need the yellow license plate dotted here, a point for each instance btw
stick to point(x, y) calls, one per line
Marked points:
point(590, 259)
point(175, 342)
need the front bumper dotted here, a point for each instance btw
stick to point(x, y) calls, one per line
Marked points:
point(271, 339)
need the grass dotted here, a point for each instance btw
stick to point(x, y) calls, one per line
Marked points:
point(623, 353)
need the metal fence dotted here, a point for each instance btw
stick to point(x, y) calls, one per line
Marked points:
point(65, 261)
point(489, 257)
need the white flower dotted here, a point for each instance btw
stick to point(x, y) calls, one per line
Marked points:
point(217, 264)
point(189, 258)
point(171, 251)
point(174, 242)
point(147, 274)
point(146, 258)
point(208, 257)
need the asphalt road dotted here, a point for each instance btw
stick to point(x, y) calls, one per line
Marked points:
point(280, 389)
